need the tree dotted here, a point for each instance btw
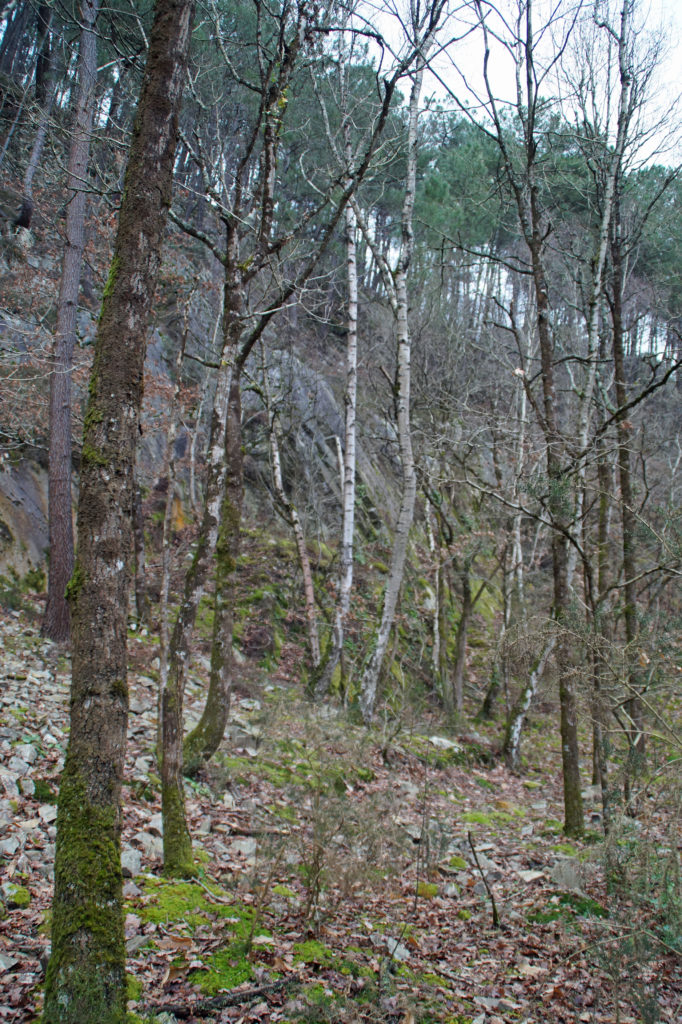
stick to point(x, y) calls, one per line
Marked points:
point(56, 620)
point(423, 26)
point(86, 974)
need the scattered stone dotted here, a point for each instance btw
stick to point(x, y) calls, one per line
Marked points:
point(48, 812)
point(566, 876)
point(151, 844)
point(530, 876)
point(444, 744)
point(18, 766)
point(155, 825)
point(8, 847)
point(131, 863)
point(7, 962)
point(130, 890)
point(27, 787)
point(27, 752)
point(205, 825)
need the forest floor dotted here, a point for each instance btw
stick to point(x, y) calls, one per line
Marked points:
point(338, 879)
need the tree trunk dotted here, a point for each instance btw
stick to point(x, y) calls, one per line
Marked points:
point(203, 741)
point(60, 522)
point(85, 981)
point(345, 582)
point(290, 514)
point(512, 740)
point(370, 678)
point(461, 642)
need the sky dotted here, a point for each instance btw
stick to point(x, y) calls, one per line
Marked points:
point(462, 64)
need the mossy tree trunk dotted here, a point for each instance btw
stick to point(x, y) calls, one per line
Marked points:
point(85, 981)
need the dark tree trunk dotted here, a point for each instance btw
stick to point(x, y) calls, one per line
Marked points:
point(86, 981)
point(634, 707)
point(56, 621)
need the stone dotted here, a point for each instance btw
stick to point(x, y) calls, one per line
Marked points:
point(565, 875)
point(27, 752)
point(27, 787)
point(18, 766)
point(8, 847)
point(155, 825)
point(131, 863)
point(443, 744)
point(47, 812)
point(151, 844)
point(530, 876)
point(16, 896)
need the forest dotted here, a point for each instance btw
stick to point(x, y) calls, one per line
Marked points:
point(340, 530)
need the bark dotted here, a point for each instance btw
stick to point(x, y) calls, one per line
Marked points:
point(142, 605)
point(345, 579)
point(634, 707)
point(60, 522)
point(177, 843)
point(25, 215)
point(370, 678)
point(461, 642)
point(290, 513)
point(85, 981)
point(203, 741)
point(512, 739)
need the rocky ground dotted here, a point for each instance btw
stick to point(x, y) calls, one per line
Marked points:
point(344, 876)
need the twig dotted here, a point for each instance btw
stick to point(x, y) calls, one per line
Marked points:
point(237, 997)
point(496, 916)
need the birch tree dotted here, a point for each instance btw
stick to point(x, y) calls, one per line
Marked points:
point(423, 26)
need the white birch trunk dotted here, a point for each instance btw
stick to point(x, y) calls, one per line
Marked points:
point(370, 678)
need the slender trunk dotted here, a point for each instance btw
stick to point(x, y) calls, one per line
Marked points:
point(85, 981)
point(370, 678)
point(634, 707)
point(290, 513)
point(203, 741)
point(345, 582)
point(512, 739)
point(56, 622)
point(461, 641)
point(142, 609)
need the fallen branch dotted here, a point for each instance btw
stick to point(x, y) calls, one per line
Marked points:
point(237, 997)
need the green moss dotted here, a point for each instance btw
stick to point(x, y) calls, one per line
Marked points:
point(88, 944)
point(43, 792)
point(477, 818)
point(92, 455)
point(464, 915)
point(313, 952)
point(76, 583)
point(427, 890)
point(458, 863)
point(284, 890)
point(134, 988)
point(111, 280)
point(171, 902)
point(178, 861)
point(226, 969)
point(17, 896)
